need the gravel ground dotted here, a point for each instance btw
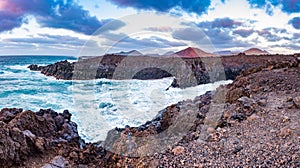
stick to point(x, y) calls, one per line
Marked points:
point(260, 128)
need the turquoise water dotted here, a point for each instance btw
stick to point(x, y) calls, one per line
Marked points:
point(97, 105)
point(22, 88)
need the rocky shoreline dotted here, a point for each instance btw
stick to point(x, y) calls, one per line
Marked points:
point(59, 70)
point(252, 122)
point(188, 71)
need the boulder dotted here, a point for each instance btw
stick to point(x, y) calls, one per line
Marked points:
point(296, 101)
point(25, 133)
point(58, 161)
point(246, 101)
point(178, 150)
point(34, 67)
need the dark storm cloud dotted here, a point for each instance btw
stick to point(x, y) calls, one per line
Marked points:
point(66, 14)
point(220, 23)
point(295, 22)
point(194, 6)
point(288, 6)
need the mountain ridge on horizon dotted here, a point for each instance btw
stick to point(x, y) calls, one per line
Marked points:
point(129, 53)
point(193, 52)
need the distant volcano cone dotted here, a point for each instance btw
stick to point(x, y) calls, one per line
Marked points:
point(130, 53)
point(255, 51)
point(191, 52)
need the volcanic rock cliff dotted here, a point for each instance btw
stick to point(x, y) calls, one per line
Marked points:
point(187, 71)
point(59, 70)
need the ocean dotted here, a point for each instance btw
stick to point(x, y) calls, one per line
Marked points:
point(97, 106)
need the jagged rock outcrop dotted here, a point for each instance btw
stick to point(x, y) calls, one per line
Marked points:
point(59, 70)
point(234, 65)
point(25, 134)
point(34, 67)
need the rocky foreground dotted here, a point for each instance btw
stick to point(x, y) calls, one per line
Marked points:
point(252, 122)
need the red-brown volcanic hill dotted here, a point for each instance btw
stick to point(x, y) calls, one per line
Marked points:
point(255, 51)
point(192, 52)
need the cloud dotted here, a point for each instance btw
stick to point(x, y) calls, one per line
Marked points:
point(151, 42)
point(189, 34)
point(296, 35)
point(48, 40)
point(220, 23)
point(9, 21)
point(225, 23)
point(295, 22)
point(288, 6)
point(168, 43)
point(12, 46)
point(66, 14)
point(222, 39)
point(219, 33)
point(288, 46)
point(243, 32)
point(196, 6)
point(110, 25)
point(275, 29)
point(269, 9)
point(112, 37)
point(219, 37)
point(257, 3)
point(266, 33)
point(58, 39)
point(160, 29)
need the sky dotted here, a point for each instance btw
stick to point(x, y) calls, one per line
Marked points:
point(96, 27)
